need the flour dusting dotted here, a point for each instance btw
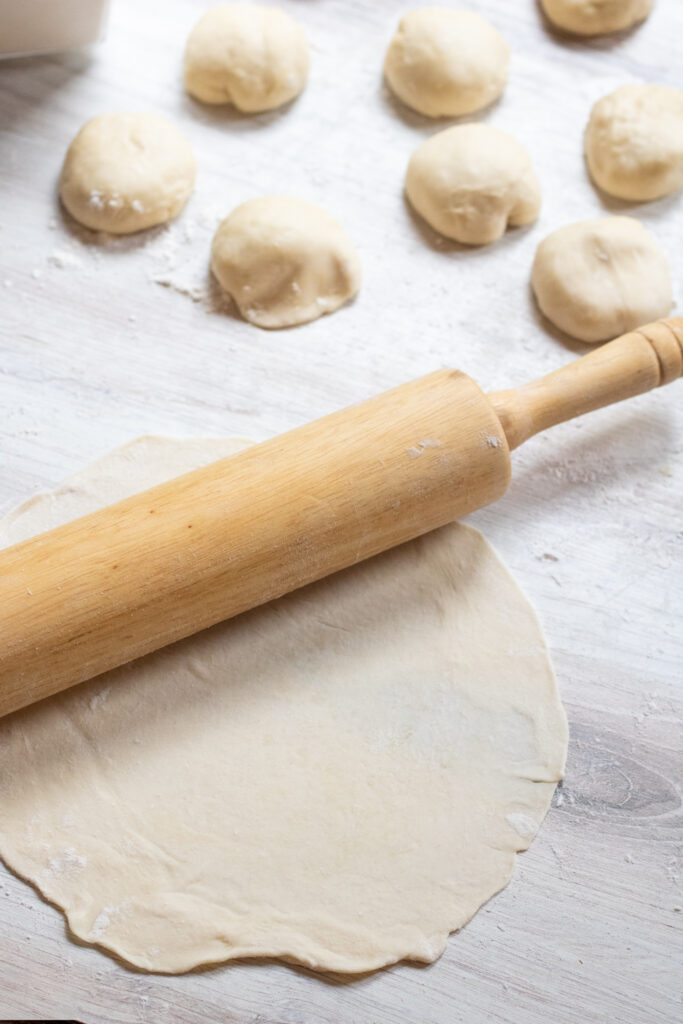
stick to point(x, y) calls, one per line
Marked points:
point(523, 824)
point(98, 698)
point(67, 863)
point(101, 923)
point(64, 259)
point(420, 447)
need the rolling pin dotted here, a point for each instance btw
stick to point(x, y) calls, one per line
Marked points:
point(147, 571)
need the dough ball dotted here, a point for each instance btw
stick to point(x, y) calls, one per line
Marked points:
point(445, 63)
point(253, 57)
point(471, 181)
point(284, 261)
point(634, 141)
point(596, 17)
point(126, 172)
point(600, 278)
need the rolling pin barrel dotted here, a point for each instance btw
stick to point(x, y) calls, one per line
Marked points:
point(145, 572)
point(157, 567)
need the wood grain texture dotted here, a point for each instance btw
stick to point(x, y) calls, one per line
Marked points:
point(98, 345)
point(628, 366)
point(157, 567)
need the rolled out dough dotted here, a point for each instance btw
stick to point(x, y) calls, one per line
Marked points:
point(340, 778)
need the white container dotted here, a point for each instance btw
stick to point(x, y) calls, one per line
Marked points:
point(48, 26)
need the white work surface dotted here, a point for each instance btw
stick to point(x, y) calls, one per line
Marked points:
point(103, 340)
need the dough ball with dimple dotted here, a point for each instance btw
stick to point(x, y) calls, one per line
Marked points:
point(471, 181)
point(600, 278)
point(284, 261)
point(445, 63)
point(126, 172)
point(634, 141)
point(253, 57)
point(596, 17)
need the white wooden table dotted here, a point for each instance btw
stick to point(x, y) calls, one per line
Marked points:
point(102, 341)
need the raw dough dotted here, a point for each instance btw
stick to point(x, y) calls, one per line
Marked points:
point(284, 261)
point(596, 17)
point(634, 141)
point(445, 63)
point(471, 181)
point(253, 57)
point(340, 778)
point(126, 172)
point(597, 279)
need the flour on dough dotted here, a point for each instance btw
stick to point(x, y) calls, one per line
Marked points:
point(340, 778)
point(284, 261)
point(634, 141)
point(127, 172)
point(445, 63)
point(596, 279)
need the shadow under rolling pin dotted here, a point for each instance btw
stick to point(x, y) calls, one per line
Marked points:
point(138, 575)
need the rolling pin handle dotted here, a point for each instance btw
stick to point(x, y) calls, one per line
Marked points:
point(666, 339)
point(628, 366)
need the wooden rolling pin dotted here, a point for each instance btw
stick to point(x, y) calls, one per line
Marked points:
point(140, 574)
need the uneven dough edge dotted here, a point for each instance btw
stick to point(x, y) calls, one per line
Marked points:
point(425, 950)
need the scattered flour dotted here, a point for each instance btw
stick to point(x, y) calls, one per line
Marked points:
point(103, 920)
point(64, 259)
point(177, 254)
point(649, 706)
point(178, 267)
point(194, 290)
point(98, 698)
point(418, 449)
point(101, 923)
point(67, 863)
point(523, 824)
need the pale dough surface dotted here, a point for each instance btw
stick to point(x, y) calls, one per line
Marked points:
point(596, 17)
point(445, 63)
point(471, 181)
point(340, 778)
point(599, 278)
point(124, 172)
point(634, 141)
point(255, 58)
point(284, 261)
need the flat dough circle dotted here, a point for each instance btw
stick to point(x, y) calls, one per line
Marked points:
point(284, 261)
point(471, 181)
point(445, 63)
point(596, 279)
point(340, 778)
point(126, 172)
point(596, 17)
point(634, 142)
point(253, 57)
